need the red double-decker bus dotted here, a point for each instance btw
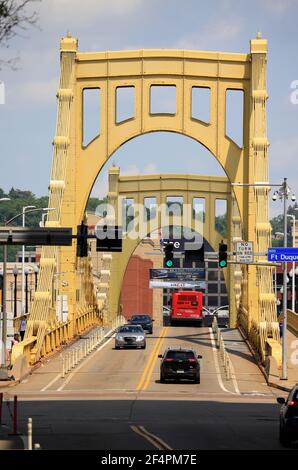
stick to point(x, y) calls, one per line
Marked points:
point(187, 306)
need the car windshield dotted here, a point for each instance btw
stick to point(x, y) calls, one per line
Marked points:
point(140, 317)
point(130, 329)
point(180, 355)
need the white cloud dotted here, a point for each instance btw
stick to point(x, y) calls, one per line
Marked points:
point(149, 168)
point(74, 13)
point(39, 91)
point(283, 155)
point(278, 6)
point(284, 150)
point(212, 35)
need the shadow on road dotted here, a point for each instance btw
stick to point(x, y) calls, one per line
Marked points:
point(102, 424)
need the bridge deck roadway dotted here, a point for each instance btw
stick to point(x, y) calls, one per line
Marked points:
point(112, 394)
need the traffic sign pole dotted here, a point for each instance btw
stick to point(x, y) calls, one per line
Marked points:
point(285, 291)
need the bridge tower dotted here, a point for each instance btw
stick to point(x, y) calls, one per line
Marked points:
point(76, 166)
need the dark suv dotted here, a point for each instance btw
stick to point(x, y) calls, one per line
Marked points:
point(180, 364)
point(144, 320)
point(288, 420)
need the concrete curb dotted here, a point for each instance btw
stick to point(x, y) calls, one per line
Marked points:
point(280, 387)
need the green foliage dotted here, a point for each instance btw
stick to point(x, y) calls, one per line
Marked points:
point(277, 224)
point(94, 202)
point(221, 225)
point(9, 209)
point(19, 199)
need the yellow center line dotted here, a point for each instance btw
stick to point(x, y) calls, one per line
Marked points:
point(151, 358)
point(154, 360)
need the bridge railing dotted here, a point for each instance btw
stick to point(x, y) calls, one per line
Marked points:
point(222, 349)
point(77, 353)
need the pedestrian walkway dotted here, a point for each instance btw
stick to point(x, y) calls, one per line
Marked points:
point(245, 365)
point(51, 367)
point(249, 378)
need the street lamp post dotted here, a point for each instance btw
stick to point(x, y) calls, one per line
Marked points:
point(292, 272)
point(15, 273)
point(283, 194)
point(36, 270)
point(3, 369)
point(26, 272)
point(23, 258)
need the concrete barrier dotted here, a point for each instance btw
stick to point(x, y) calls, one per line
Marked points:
point(21, 368)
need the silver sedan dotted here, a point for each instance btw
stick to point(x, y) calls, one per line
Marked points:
point(130, 336)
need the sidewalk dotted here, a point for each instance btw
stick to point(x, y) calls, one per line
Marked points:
point(246, 367)
point(248, 375)
point(49, 366)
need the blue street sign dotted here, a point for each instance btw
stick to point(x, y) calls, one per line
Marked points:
point(286, 255)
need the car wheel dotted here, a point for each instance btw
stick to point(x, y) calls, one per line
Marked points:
point(284, 438)
point(162, 379)
point(117, 347)
point(198, 380)
point(144, 347)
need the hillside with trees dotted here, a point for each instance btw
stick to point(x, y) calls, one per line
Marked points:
point(20, 198)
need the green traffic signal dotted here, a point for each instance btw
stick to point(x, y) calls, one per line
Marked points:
point(223, 255)
point(223, 264)
point(169, 255)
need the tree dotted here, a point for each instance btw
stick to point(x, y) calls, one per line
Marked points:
point(277, 224)
point(14, 18)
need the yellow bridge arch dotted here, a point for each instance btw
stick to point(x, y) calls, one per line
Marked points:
point(76, 166)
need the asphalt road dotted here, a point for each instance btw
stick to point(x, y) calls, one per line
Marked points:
point(113, 400)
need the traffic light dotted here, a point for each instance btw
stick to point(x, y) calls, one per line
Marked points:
point(169, 255)
point(222, 255)
point(195, 254)
point(82, 240)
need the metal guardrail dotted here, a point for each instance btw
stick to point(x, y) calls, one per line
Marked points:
point(222, 349)
point(73, 357)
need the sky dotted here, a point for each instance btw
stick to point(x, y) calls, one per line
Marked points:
point(28, 117)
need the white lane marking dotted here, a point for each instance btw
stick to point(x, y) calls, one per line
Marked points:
point(58, 376)
point(218, 374)
point(234, 380)
point(83, 364)
point(51, 383)
point(154, 440)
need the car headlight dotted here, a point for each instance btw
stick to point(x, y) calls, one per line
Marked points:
point(140, 338)
point(119, 338)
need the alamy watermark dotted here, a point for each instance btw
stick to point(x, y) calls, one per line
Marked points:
point(139, 221)
point(294, 94)
point(2, 92)
point(294, 355)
